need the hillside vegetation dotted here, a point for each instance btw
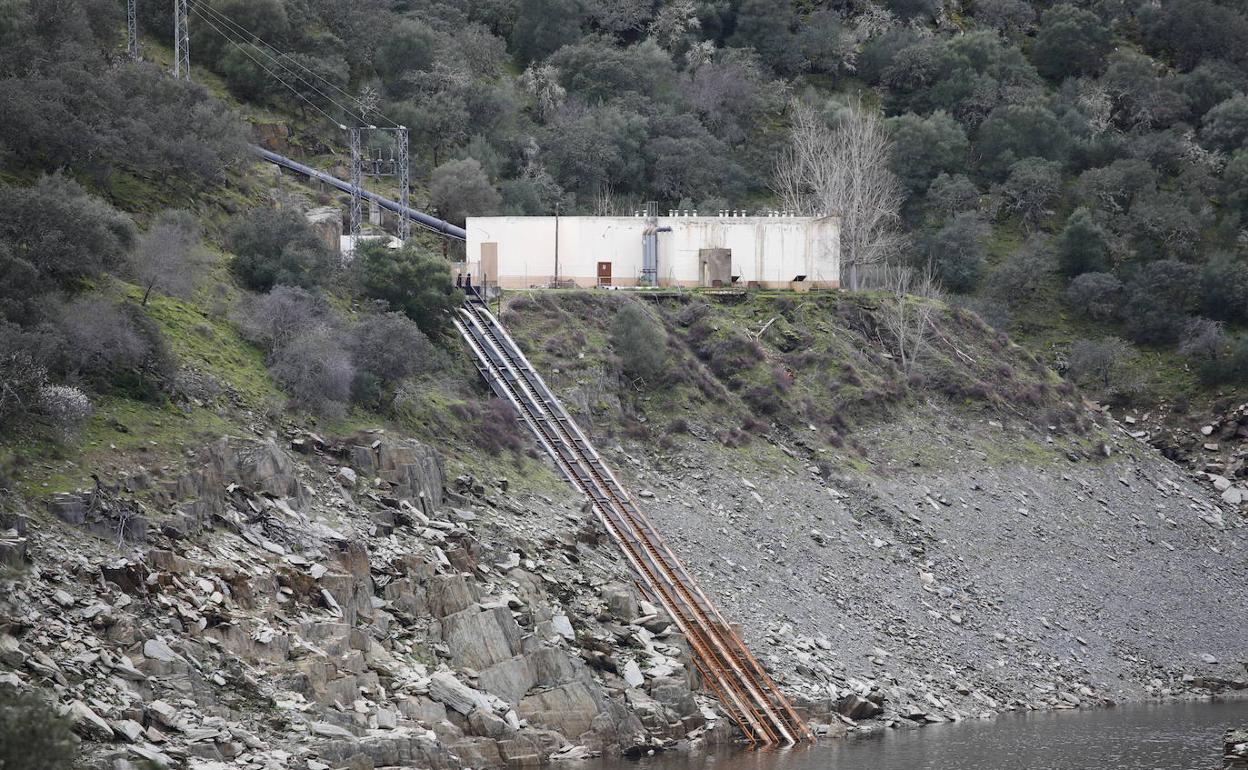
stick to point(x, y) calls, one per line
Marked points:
point(814, 371)
point(1071, 171)
point(257, 507)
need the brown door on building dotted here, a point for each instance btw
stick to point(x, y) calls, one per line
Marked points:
point(604, 273)
point(489, 262)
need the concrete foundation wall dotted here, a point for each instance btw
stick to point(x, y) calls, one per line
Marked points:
point(767, 251)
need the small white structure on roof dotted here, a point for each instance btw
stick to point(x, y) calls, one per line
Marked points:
point(772, 251)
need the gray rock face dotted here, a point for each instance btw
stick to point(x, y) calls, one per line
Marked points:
point(449, 594)
point(481, 638)
point(568, 709)
point(376, 628)
point(447, 689)
point(857, 707)
point(1235, 750)
point(158, 649)
point(621, 602)
point(512, 679)
point(88, 723)
point(415, 470)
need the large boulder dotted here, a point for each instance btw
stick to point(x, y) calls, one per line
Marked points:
point(326, 222)
point(449, 594)
point(261, 467)
point(512, 679)
point(621, 602)
point(857, 707)
point(445, 688)
point(415, 471)
point(480, 638)
point(568, 709)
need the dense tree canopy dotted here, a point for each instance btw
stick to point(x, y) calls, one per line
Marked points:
point(1114, 133)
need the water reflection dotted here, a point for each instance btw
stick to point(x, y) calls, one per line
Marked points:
point(1181, 736)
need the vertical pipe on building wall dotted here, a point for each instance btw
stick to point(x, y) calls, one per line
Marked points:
point(650, 247)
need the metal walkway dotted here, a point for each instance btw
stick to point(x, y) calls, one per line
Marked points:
point(732, 674)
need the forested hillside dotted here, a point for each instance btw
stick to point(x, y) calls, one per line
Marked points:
point(1073, 172)
point(1086, 153)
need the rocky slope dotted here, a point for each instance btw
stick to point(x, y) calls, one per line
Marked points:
point(330, 604)
point(898, 549)
point(956, 555)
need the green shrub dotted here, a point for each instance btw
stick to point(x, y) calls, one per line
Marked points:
point(1099, 362)
point(641, 344)
point(410, 281)
point(54, 236)
point(956, 251)
point(33, 736)
point(1082, 246)
point(278, 247)
point(316, 370)
point(115, 348)
point(1224, 288)
point(1097, 295)
point(1159, 299)
point(1229, 368)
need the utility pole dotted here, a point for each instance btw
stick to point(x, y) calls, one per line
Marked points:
point(181, 41)
point(357, 182)
point(132, 29)
point(405, 181)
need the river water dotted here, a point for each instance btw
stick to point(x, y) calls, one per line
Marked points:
point(1172, 736)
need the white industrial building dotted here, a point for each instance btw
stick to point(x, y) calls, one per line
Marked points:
point(747, 251)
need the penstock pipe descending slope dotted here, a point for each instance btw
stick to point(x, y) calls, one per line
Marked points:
point(432, 223)
point(728, 669)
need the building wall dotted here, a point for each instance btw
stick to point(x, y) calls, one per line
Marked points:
point(768, 250)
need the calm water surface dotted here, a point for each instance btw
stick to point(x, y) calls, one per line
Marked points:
point(1182, 736)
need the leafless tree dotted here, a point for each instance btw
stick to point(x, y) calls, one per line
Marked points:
point(1098, 360)
point(907, 314)
point(541, 83)
point(843, 170)
point(674, 23)
point(169, 256)
point(1203, 338)
point(316, 370)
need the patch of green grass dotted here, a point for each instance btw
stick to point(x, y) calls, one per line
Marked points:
point(210, 345)
point(121, 434)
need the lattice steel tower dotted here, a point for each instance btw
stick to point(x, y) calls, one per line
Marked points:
point(357, 183)
point(132, 29)
point(181, 40)
point(398, 165)
point(405, 181)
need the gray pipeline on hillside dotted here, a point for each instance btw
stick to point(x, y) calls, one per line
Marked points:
point(432, 223)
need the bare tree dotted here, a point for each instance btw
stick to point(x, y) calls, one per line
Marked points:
point(169, 256)
point(1203, 338)
point(843, 170)
point(1099, 360)
point(907, 315)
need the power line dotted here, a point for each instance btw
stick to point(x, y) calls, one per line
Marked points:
point(261, 65)
point(279, 58)
point(199, 11)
